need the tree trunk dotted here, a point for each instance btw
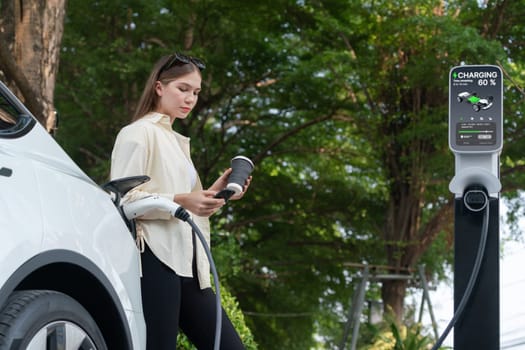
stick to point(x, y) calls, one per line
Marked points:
point(31, 33)
point(393, 295)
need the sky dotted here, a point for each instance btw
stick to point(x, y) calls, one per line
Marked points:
point(512, 288)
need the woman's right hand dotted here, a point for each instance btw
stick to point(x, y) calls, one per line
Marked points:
point(201, 203)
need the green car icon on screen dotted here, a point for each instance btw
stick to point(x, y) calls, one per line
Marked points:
point(478, 103)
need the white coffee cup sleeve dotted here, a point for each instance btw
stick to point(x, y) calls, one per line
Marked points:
point(234, 187)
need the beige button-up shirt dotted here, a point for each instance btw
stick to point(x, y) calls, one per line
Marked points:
point(150, 147)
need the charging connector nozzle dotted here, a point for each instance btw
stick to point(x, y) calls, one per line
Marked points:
point(475, 198)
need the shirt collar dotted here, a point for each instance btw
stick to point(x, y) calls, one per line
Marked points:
point(159, 118)
point(163, 120)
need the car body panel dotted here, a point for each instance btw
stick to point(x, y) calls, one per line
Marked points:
point(18, 192)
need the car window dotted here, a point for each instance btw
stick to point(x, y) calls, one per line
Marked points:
point(7, 115)
point(14, 121)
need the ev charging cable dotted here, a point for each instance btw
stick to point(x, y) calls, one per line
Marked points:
point(142, 206)
point(480, 202)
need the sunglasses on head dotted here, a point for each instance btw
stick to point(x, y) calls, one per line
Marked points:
point(178, 58)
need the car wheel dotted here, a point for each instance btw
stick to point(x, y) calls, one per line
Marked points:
point(460, 99)
point(47, 320)
point(476, 108)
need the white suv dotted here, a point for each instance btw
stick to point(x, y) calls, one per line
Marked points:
point(69, 268)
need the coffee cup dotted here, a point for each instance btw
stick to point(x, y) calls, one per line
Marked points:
point(241, 170)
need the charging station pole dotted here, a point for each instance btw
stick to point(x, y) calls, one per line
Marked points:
point(476, 138)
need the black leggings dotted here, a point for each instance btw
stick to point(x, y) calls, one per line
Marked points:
point(170, 301)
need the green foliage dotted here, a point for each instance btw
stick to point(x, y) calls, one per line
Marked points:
point(401, 338)
point(393, 336)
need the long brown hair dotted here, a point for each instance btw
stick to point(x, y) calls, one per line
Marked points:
point(149, 99)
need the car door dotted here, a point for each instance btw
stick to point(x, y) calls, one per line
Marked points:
point(20, 209)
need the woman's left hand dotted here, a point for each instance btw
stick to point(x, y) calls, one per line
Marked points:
point(222, 182)
point(244, 189)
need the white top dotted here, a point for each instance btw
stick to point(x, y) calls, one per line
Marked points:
point(150, 147)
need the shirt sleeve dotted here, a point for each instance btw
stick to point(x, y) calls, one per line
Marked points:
point(129, 158)
point(129, 154)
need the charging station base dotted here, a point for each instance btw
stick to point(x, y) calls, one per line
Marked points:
point(479, 326)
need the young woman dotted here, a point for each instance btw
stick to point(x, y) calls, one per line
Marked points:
point(176, 288)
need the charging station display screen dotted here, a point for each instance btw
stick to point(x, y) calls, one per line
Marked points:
point(476, 109)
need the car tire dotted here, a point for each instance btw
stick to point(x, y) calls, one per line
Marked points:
point(47, 320)
point(476, 108)
point(460, 99)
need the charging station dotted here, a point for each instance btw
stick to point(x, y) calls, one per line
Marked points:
point(476, 138)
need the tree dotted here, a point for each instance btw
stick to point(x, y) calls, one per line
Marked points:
point(401, 53)
point(31, 33)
